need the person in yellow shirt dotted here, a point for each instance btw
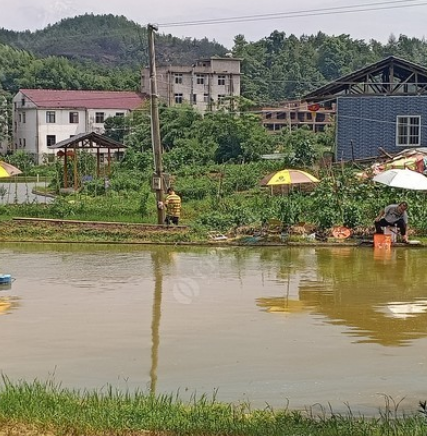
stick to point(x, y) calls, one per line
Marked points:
point(173, 207)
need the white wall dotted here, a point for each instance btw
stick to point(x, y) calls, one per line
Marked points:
point(61, 129)
point(30, 128)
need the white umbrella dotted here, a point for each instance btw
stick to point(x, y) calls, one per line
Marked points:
point(405, 179)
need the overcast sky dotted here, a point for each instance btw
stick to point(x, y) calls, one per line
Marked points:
point(407, 17)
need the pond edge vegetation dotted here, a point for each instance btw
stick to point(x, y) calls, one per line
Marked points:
point(46, 408)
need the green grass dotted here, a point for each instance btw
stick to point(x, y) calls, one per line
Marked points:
point(61, 411)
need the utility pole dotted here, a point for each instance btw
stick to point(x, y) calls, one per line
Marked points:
point(155, 129)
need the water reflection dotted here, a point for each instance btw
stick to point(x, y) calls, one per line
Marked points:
point(8, 304)
point(381, 298)
point(246, 321)
point(399, 309)
point(161, 259)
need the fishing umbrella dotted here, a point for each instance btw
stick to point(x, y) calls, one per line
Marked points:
point(404, 179)
point(284, 180)
point(288, 177)
point(8, 170)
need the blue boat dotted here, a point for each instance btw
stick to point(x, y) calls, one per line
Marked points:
point(5, 278)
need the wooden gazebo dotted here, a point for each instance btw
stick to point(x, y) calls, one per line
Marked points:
point(89, 142)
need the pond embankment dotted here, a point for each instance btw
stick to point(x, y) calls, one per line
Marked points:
point(23, 229)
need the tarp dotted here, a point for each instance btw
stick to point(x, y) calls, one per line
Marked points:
point(413, 159)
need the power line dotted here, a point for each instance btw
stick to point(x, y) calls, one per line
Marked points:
point(365, 7)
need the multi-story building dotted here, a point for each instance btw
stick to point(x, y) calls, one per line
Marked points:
point(296, 113)
point(43, 117)
point(208, 84)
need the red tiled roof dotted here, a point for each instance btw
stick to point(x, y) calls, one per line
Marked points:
point(52, 98)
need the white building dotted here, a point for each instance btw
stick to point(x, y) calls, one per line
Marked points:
point(208, 84)
point(43, 117)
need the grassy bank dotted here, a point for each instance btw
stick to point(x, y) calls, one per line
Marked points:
point(43, 408)
point(96, 232)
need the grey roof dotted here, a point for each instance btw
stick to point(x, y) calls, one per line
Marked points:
point(405, 70)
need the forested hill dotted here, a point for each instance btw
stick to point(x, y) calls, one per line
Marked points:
point(108, 52)
point(108, 40)
point(281, 67)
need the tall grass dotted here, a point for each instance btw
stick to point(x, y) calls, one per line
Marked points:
point(49, 407)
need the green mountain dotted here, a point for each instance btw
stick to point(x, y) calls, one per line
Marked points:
point(108, 52)
point(109, 40)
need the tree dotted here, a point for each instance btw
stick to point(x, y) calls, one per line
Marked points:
point(301, 147)
point(117, 127)
point(235, 137)
point(4, 128)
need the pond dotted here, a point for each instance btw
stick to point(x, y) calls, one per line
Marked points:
point(295, 327)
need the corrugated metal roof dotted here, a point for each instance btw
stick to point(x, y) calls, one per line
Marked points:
point(52, 98)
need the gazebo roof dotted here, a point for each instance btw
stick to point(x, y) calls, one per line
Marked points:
point(88, 140)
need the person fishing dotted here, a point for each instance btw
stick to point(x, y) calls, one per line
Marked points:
point(393, 215)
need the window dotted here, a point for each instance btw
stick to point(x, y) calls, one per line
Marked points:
point(200, 79)
point(74, 117)
point(22, 101)
point(408, 130)
point(194, 98)
point(221, 80)
point(221, 98)
point(24, 142)
point(99, 117)
point(50, 140)
point(24, 117)
point(120, 114)
point(206, 98)
point(50, 117)
point(178, 98)
point(20, 117)
point(178, 79)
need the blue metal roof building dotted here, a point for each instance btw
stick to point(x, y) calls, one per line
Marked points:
point(365, 125)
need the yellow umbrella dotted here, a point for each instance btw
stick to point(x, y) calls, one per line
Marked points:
point(8, 170)
point(288, 177)
point(284, 181)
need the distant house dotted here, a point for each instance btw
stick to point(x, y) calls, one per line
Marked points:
point(208, 84)
point(380, 107)
point(297, 113)
point(43, 117)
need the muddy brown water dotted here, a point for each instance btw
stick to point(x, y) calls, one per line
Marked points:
point(288, 327)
